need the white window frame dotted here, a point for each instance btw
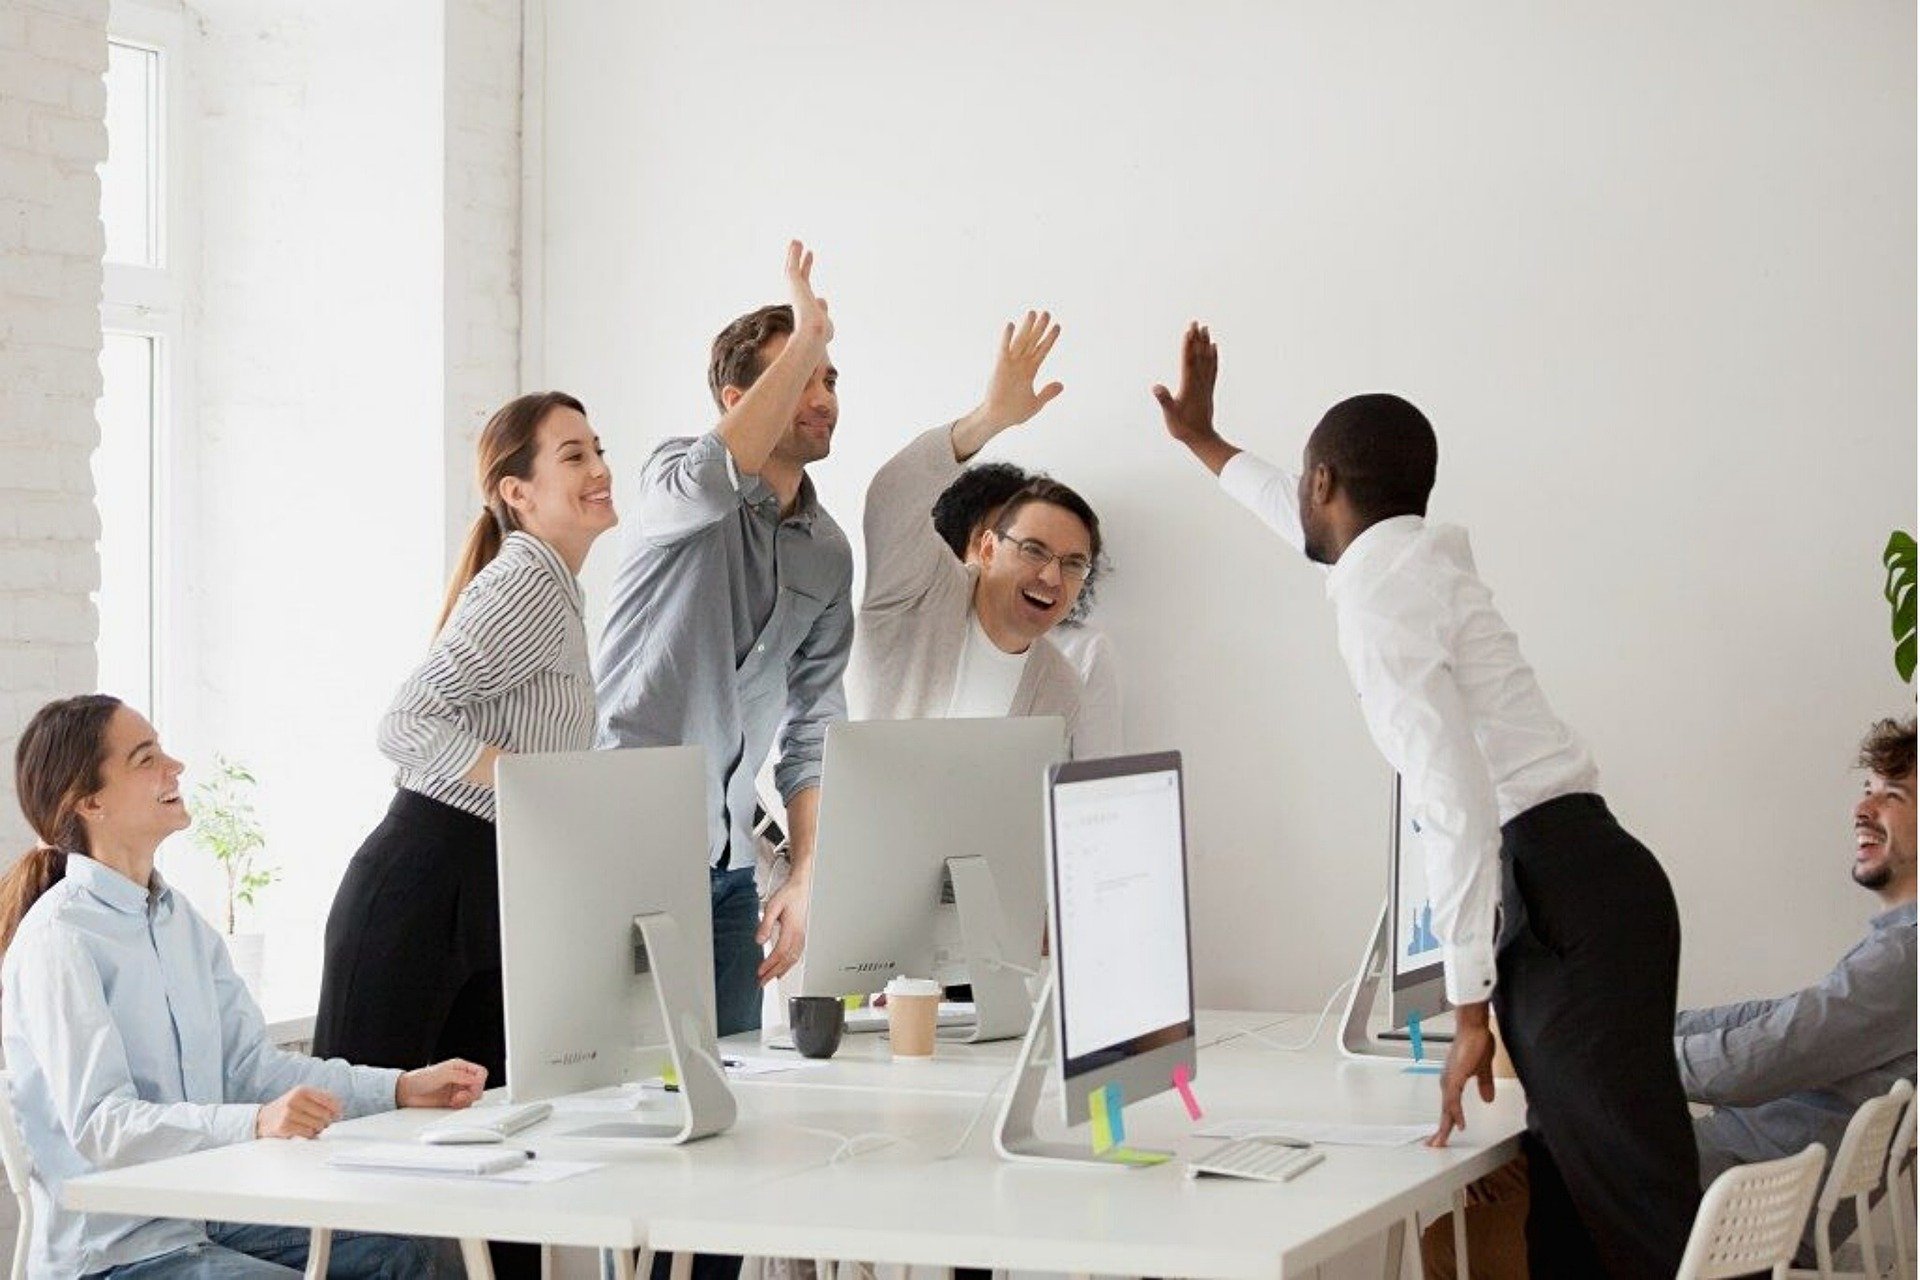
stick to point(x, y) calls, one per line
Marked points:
point(152, 302)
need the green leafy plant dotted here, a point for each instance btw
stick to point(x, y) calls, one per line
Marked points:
point(1899, 561)
point(228, 830)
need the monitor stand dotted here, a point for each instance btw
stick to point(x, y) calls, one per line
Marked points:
point(1001, 1004)
point(1015, 1137)
point(659, 950)
point(1357, 1037)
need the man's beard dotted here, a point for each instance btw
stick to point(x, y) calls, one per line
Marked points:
point(1873, 877)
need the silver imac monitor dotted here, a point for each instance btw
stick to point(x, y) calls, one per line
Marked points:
point(1123, 1006)
point(593, 844)
point(1418, 983)
point(900, 800)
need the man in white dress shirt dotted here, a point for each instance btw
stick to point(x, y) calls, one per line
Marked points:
point(1584, 967)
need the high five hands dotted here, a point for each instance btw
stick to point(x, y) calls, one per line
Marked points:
point(811, 323)
point(1011, 398)
point(1189, 415)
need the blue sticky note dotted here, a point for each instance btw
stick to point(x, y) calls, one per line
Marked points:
point(1413, 1034)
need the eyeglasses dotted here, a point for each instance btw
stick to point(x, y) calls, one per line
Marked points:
point(1036, 554)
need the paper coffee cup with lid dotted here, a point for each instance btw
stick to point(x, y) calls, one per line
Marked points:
point(913, 1009)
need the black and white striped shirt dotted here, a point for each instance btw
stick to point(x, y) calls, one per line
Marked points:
point(508, 670)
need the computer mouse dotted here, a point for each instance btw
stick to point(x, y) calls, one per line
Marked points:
point(460, 1135)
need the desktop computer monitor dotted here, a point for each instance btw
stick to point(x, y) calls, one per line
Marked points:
point(1117, 888)
point(590, 840)
point(1418, 983)
point(899, 801)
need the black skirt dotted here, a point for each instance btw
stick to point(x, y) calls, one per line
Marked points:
point(412, 969)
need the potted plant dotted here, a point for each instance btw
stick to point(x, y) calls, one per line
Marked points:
point(226, 827)
point(1898, 560)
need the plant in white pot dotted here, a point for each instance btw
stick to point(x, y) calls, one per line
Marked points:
point(227, 829)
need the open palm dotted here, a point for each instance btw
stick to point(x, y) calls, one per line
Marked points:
point(1011, 397)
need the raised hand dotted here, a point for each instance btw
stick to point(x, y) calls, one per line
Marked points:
point(300, 1112)
point(450, 1084)
point(1011, 398)
point(1189, 415)
point(810, 319)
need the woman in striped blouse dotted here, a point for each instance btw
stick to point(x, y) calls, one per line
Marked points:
point(412, 972)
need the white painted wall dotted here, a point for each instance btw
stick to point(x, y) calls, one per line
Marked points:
point(52, 56)
point(1649, 269)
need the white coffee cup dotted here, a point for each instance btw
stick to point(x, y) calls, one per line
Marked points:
point(913, 1014)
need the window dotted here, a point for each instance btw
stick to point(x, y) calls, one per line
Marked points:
point(141, 319)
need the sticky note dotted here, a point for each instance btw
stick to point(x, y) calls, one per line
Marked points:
point(1127, 1155)
point(1413, 1034)
point(852, 1002)
point(1107, 1109)
point(1423, 1069)
point(1183, 1081)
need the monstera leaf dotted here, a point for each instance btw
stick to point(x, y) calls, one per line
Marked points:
point(1898, 559)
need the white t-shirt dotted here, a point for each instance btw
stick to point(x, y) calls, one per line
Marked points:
point(984, 685)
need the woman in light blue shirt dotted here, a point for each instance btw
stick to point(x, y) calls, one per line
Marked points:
point(128, 1035)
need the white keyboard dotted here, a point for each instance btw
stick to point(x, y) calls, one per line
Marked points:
point(867, 1019)
point(408, 1157)
point(485, 1124)
point(1262, 1159)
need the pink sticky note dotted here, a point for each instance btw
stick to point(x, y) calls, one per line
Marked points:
point(1183, 1081)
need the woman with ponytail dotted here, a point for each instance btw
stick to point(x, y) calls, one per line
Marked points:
point(128, 1035)
point(412, 970)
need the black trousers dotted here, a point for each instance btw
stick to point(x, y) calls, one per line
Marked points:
point(1589, 961)
point(412, 969)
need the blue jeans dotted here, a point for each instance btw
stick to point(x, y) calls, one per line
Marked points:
point(736, 956)
point(238, 1252)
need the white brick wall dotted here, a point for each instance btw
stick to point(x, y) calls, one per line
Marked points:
point(482, 236)
point(52, 135)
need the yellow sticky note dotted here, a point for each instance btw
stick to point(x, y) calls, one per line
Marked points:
point(1127, 1155)
point(1103, 1139)
point(668, 1076)
point(852, 1002)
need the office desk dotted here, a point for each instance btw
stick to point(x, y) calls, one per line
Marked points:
point(767, 1187)
point(905, 1205)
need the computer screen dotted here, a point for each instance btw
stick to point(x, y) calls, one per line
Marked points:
point(1120, 928)
point(1419, 984)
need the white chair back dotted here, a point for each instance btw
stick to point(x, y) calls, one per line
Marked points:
point(19, 1166)
point(1752, 1216)
point(1899, 1197)
point(1858, 1168)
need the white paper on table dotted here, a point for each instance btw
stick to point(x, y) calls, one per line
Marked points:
point(740, 1067)
point(538, 1171)
point(615, 1099)
point(1331, 1135)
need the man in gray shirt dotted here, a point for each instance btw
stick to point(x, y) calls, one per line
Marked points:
point(1782, 1073)
point(732, 619)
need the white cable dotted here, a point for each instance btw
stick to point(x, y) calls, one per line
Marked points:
point(994, 962)
point(1312, 1035)
point(978, 1112)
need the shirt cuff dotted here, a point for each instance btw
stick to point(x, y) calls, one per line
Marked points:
point(375, 1090)
point(235, 1122)
point(1469, 973)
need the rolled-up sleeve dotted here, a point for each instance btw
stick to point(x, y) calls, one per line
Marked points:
point(58, 1006)
point(816, 696)
point(687, 485)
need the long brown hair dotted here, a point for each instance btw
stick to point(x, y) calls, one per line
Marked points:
point(507, 447)
point(55, 767)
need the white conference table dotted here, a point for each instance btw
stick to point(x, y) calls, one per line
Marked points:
point(771, 1186)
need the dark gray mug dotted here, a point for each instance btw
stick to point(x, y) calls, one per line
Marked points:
point(817, 1022)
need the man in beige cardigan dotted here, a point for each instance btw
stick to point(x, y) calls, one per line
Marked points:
point(939, 638)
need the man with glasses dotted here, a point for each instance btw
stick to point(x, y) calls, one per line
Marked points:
point(938, 637)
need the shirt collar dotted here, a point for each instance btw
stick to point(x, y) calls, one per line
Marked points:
point(759, 495)
point(1902, 914)
point(114, 890)
point(536, 550)
point(1372, 549)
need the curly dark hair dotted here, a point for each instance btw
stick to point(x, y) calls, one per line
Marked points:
point(977, 493)
point(1888, 748)
point(990, 489)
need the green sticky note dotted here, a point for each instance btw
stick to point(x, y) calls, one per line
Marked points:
point(1127, 1155)
point(852, 1002)
point(1104, 1138)
point(669, 1077)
